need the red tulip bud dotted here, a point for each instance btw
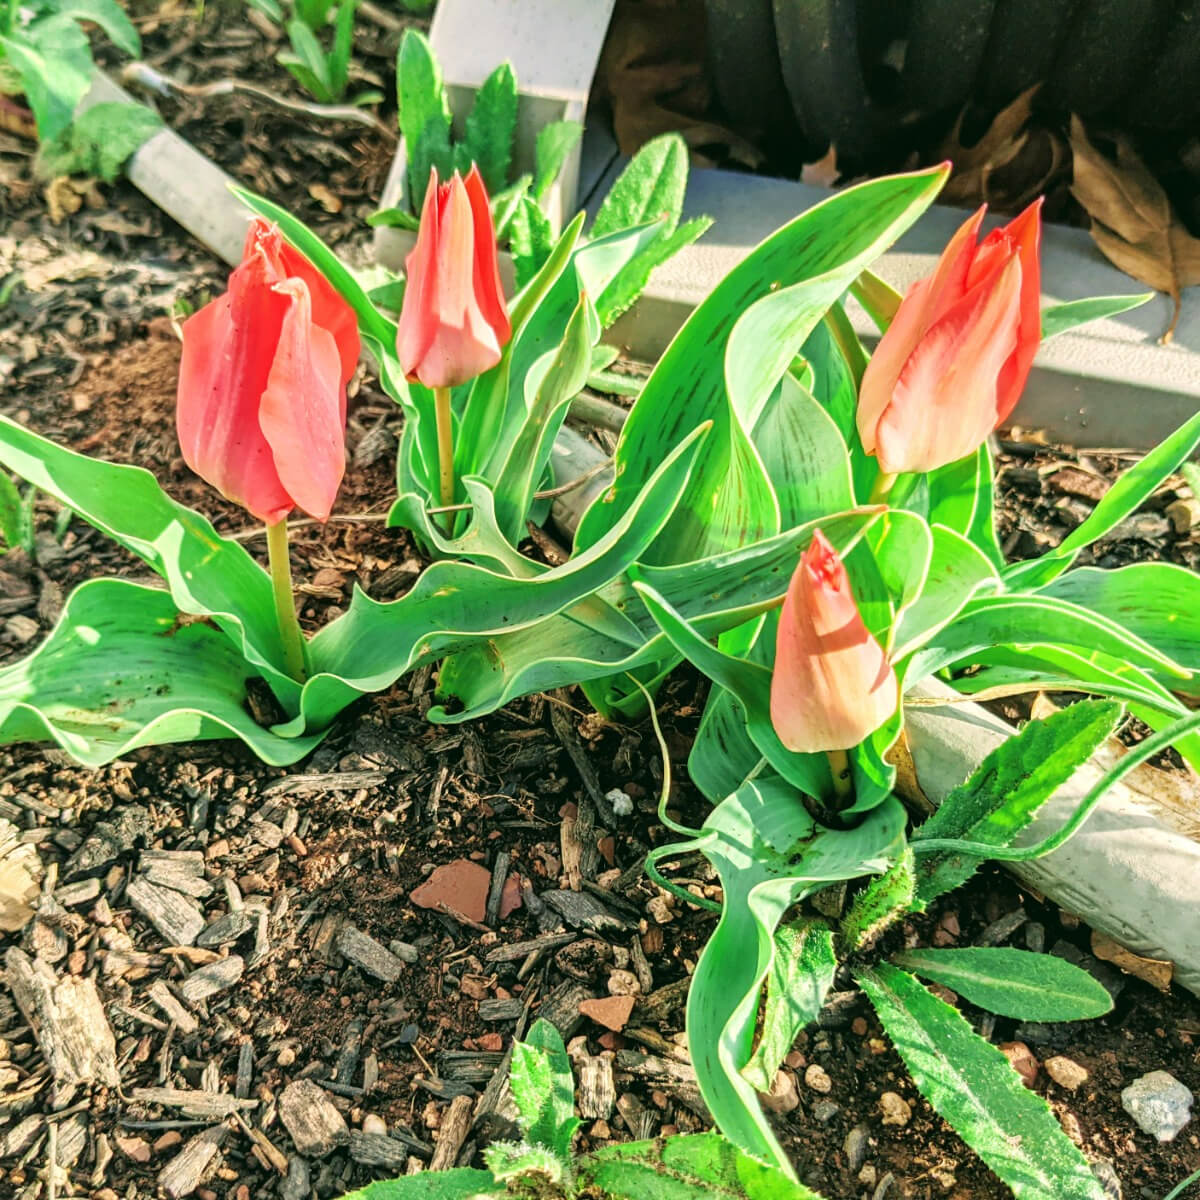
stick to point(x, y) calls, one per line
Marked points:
point(832, 685)
point(261, 407)
point(953, 363)
point(453, 322)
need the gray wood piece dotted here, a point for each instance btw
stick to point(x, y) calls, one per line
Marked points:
point(69, 1022)
point(213, 978)
point(597, 1087)
point(367, 954)
point(561, 1007)
point(517, 951)
point(245, 1070)
point(179, 879)
point(378, 1150)
point(583, 910)
point(177, 917)
point(193, 1102)
point(193, 1164)
point(307, 1113)
point(456, 1124)
point(226, 929)
point(162, 995)
point(501, 1010)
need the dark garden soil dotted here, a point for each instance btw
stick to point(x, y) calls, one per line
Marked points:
point(317, 982)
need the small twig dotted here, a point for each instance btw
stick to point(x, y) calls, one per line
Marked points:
point(139, 74)
point(547, 494)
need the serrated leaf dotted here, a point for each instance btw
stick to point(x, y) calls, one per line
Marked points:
point(650, 187)
point(1006, 790)
point(696, 1167)
point(801, 974)
point(543, 1090)
point(338, 59)
point(424, 113)
point(490, 126)
point(98, 142)
point(883, 901)
point(1012, 983)
point(632, 281)
point(973, 1086)
point(512, 1160)
point(531, 239)
point(555, 142)
point(459, 1183)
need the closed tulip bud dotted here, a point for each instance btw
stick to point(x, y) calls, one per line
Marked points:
point(954, 361)
point(832, 684)
point(453, 323)
point(261, 406)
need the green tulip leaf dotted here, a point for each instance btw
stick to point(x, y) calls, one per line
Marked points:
point(122, 669)
point(1059, 318)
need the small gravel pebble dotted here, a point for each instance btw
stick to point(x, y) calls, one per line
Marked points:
point(855, 1146)
point(1065, 1072)
point(1023, 1060)
point(1159, 1103)
point(895, 1109)
point(817, 1079)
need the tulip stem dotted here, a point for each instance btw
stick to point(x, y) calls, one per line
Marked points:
point(881, 488)
point(839, 768)
point(285, 601)
point(445, 440)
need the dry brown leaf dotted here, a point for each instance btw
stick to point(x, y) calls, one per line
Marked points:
point(1155, 971)
point(1132, 219)
point(1011, 164)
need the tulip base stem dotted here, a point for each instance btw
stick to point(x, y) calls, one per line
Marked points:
point(839, 768)
point(881, 488)
point(285, 601)
point(445, 441)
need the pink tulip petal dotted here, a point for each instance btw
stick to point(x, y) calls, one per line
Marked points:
point(924, 302)
point(228, 350)
point(944, 403)
point(832, 685)
point(300, 410)
point(329, 312)
point(489, 294)
point(416, 327)
point(1025, 233)
point(453, 322)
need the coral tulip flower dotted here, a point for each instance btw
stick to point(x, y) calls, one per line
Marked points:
point(261, 407)
point(453, 323)
point(832, 684)
point(952, 365)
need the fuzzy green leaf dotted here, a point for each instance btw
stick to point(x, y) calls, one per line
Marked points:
point(460, 1183)
point(973, 1086)
point(697, 1167)
point(531, 239)
point(650, 187)
point(1012, 983)
point(882, 902)
point(490, 126)
point(513, 1160)
point(424, 113)
point(1004, 793)
point(632, 281)
point(801, 973)
point(544, 1090)
point(110, 16)
point(98, 142)
point(12, 524)
point(54, 62)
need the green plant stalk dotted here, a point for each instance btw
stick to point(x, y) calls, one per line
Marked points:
point(1178, 1191)
point(1148, 749)
point(881, 488)
point(839, 768)
point(285, 601)
point(445, 441)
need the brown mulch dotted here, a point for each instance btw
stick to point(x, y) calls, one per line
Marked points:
point(315, 856)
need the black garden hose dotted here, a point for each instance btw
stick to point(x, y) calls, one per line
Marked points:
point(946, 43)
point(1023, 42)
